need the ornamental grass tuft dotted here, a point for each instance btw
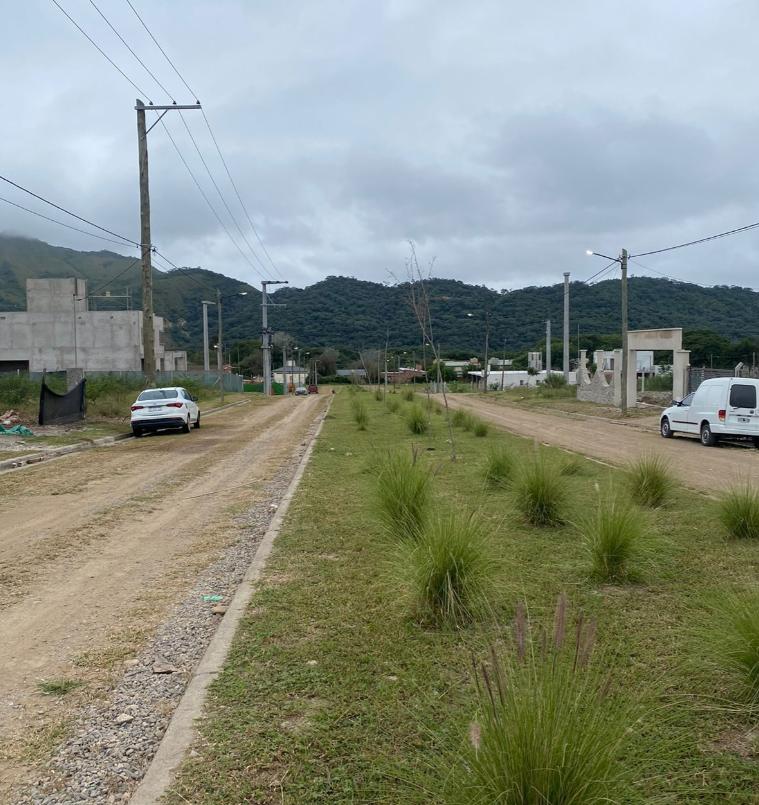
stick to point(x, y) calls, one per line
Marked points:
point(739, 512)
point(553, 727)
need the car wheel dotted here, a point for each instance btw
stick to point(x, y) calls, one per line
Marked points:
point(197, 421)
point(136, 432)
point(186, 426)
point(708, 439)
point(755, 440)
point(666, 429)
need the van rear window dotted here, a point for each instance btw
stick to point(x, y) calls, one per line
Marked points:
point(742, 396)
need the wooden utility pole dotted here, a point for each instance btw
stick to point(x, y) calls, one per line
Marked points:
point(548, 348)
point(487, 344)
point(623, 262)
point(148, 329)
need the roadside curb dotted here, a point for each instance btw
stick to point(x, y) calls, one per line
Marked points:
point(32, 459)
point(181, 731)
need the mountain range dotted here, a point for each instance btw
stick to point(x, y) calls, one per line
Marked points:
point(351, 314)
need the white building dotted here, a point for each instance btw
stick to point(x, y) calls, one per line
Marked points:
point(58, 331)
point(515, 378)
point(296, 375)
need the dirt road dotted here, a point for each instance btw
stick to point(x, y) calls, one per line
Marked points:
point(617, 442)
point(95, 548)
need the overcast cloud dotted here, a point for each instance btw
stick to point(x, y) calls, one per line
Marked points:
point(503, 137)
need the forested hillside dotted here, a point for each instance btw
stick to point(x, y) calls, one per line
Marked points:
point(353, 314)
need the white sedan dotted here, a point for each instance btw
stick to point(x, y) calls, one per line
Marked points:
point(161, 409)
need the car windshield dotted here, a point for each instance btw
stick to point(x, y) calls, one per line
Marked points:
point(158, 394)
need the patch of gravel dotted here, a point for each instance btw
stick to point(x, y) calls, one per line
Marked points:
point(113, 742)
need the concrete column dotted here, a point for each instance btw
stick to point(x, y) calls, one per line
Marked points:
point(632, 378)
point(617, 378)
point(680, 364)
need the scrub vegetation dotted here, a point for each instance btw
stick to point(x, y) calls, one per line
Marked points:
point(478, 631)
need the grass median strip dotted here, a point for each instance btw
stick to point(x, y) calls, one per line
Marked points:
point(339, 690)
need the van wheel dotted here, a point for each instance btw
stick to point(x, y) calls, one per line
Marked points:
point(196, 424)
point(708, 439)
point(666, 429)
point(755, 440)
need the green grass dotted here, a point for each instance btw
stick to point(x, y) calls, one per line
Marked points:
point(416, 420)
point(480, 428)
point(408, 394)
point(58, 687)
point(540, 491)
point(403, 494)
point(650, 481)
point(730, 639)
point(360, 413)
point(333, 694)
point(613, 536)
point(448, 571)
point(552, 727)
point(499, 464)
point(739, 512)
point(460, 417)
point(393, 405)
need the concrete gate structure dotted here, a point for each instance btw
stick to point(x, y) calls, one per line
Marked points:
point(606, 384)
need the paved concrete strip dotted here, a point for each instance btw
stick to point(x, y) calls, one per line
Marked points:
point(32, 459)
point(181, 730)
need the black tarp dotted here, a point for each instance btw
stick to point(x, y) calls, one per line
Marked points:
point(60, 409)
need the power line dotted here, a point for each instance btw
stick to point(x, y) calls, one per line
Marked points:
point(218, 191)
point(113, 279)
point(126, 45)
point(98, 48)
point(61, 223)
point(165, 55)
point(207, 200)
point(68, 212)
point(599, 272)
point(700, 240)
point(654, 271)
point(237, 193)
point(218, 150)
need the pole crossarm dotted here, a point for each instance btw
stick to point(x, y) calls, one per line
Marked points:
point(150, 107)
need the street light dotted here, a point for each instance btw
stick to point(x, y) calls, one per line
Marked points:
point(487, 338)
point(220, 350)
point(622, 260)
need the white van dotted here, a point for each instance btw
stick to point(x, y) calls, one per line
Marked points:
point(720, 408)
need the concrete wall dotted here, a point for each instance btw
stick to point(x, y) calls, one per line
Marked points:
point(57, 332)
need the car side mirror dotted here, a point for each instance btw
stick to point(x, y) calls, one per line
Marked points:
point(194, 399)
point(677, 402)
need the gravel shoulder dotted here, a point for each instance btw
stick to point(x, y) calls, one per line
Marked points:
point(97, 552)
point(619, 441)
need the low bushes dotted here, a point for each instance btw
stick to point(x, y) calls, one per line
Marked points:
point(551, 728)
point(360, 414)
point(499, 465)
point(739, 512)
point(403, 494)
point(480, 428)
point(393, 405)
point(612, 537)
point(459, 418)
point(731, 640)
point(416, 420)
point(540, 492)
point(408, 394)
point(448, 570)
point(650, 481)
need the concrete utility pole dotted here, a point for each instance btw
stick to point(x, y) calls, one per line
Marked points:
point(566, 327)
point(548, 347)
point(220, 350)
point(148, 331)
point(266, 333)
point(623, 263)
point(206, 356)
point(487, 340)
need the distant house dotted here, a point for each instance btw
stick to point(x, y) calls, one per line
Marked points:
point(357, 375)
point(511, 379)
point(461, 367)
point(295, 375)
point(404, 375)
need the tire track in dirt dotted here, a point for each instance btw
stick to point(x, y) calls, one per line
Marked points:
point(707, 469)
point(117, 560)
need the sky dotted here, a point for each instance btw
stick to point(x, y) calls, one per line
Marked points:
point(503, 138)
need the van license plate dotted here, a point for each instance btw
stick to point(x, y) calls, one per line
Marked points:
point(744, 419)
